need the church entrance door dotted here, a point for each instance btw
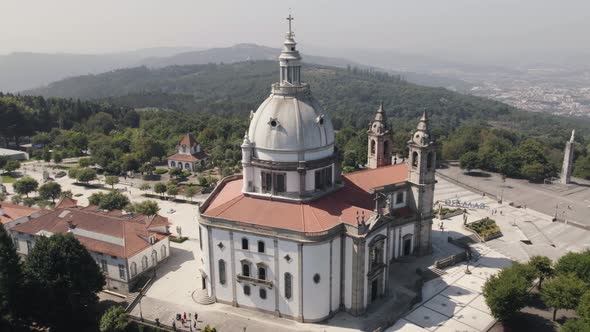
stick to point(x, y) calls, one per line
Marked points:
point(374, 289)
point(407, 246)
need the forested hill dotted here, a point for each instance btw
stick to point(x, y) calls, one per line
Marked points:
point(350, 96)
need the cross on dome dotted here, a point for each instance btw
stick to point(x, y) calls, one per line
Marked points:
point(290, 18)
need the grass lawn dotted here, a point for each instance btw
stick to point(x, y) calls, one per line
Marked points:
point(8, 179)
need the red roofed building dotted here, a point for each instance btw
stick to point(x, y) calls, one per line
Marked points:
point(292, 236)
point(188, 154)
point(14, 214)
point(124, 246)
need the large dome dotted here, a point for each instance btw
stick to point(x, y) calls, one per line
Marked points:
point(291, 123)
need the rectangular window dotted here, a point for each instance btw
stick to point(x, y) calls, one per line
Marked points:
point(104, 266)
point(279, 184)
point(265, 181)
point(122, 271)
point(399, 198)
point(260, 246)
point(323, 178)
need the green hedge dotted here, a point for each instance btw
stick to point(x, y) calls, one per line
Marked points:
point(484, 227)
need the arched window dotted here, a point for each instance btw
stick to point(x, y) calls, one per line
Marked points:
point(187, 166)
point(163, 251)
point(261, 273)
point(386, 148)
point(246, 269)
point(222, 271)
point(430, 161)
point(247, 290)
point(244, 244)
point(133, 269)
point(288, 285)
point(260, 246)
point(144, 263)
point(154, 257)
point(372, 146)
point(415, 159)
point(173, 163)
point(262, 293)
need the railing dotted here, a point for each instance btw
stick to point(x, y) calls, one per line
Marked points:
point(255, 280)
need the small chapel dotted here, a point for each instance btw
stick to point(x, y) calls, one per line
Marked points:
point(292, 236)
point(188, 154)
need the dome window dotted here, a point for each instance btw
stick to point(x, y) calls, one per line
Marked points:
point(320, 119)
point(273, 122)
point(316, 278)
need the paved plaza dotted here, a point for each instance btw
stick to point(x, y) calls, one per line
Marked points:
point(452, 302)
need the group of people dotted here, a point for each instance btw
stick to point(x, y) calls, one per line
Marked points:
point(183, 320)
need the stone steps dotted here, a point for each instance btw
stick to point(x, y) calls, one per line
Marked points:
point(202, 297)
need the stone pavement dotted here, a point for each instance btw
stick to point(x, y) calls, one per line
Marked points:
point(572, 200)
point(526, 232)
point(454, 301)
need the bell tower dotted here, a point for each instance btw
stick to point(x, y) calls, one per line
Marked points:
point(421, 169)
point(379, 141)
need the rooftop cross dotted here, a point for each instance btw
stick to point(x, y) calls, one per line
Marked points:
point(290, 18)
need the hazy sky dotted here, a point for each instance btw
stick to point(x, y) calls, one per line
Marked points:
point(468, 26)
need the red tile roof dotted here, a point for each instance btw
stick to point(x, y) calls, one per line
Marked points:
point(188, 157)
point(97, 227)
point(373, 178)
point(11, 212)
point(188, 140)
point(315, 216)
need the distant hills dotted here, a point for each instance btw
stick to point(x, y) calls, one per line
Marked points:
point(24, 71)
point(20, 71)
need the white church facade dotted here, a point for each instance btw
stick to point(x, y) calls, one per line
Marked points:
point(294, 237)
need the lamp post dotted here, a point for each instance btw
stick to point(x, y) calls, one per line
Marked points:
point(140, 312)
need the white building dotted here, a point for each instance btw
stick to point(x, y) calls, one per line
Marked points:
point(124, 246)
point(293, 237)
point(188, 154)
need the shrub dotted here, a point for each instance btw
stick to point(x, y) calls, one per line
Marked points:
point(484, 227)
point(160, 171)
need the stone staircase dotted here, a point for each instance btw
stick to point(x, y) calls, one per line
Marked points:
point(202, 297)
point(432, 273)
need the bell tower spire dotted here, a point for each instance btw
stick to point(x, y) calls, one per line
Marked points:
point(379, 141)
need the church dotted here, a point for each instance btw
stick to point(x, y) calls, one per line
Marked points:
point(294, 237)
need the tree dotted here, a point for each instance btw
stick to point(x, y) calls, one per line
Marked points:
point(175, 172)
point(506, 293)
point(583, 309)
point(64, 280)
point(148, 208)
point(543, 268)
point(190, 192)
point(50, 190)
point(172, 190)
point(11, 166)
point(73, 173)
point(10, 276)
point(114, 320)
point(16, 199)
point(114, 200)
point(534, 172)
point(25, 185)
point(563, 292)
point(28, 201)
point(111, 180)
point(145, 186)
point(576, 263)
point(57, 157)
point(66, 193)
point(208, 328)
point(576, 325)
point(159, 188)
point(85, 175)
point(3, 161)
point(147, 168)
point(469, 161)
point(85, 162)
point(95, 198)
